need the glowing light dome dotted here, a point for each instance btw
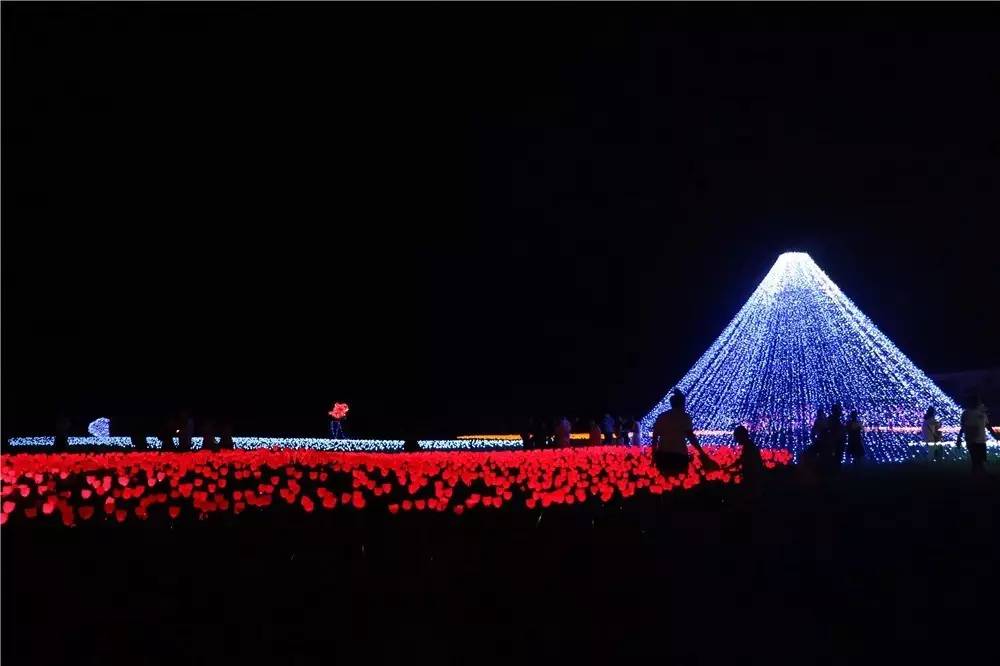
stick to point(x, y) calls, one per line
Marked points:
point(799, 344)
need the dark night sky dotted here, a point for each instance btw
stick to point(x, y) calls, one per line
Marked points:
point(456, 216)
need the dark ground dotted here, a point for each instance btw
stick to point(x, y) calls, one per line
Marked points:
point(896, 561)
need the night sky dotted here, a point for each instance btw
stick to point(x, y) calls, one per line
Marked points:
point(453, 217)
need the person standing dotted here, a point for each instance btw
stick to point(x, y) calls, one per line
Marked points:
point(527, 433)
point(819, 427)
point(540, 440)
point(855, 439)
point(750, 462)
point(186, 431)
point(596, 436)
point(838, 435)
point(563, 431)
point(61, 441)
point(631, 434)
point(671, 432)
point(930, 433)
point(208, 442)
point(608, 429)
point(226, 439)
point(975, 423)
point(166, 436)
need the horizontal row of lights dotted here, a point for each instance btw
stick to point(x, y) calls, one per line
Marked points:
point(318, 444)
point(238, 442)
point(483, 442)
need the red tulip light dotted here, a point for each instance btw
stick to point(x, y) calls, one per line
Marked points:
point(339, 410)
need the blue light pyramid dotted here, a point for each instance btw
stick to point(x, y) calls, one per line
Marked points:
point(799, 344)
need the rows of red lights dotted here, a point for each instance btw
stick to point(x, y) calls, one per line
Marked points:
point(119, 487)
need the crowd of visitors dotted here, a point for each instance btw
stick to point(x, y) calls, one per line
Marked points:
point(834, 441)
point(540, 433)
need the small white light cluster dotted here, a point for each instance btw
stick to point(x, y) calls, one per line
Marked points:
point(797, 345)
point(468, 444)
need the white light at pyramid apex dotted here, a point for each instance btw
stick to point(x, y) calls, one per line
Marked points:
point(799, 344)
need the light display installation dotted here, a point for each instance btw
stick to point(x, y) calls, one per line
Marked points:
point(797, 345)
point(249, 443)
point(100, 427)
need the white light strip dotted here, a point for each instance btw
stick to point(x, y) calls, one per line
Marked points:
point(474, 444)
point(318, 444)
point(239, 442)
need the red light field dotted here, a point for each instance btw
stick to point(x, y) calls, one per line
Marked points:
point(77, 489)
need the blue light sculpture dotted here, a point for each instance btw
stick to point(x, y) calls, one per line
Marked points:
point(799, 344)
point(100, 427)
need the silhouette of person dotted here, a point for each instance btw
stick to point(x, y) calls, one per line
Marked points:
point(136, 432)
point(608, 428)
point(208, 441)
point(563, 431)
point(838, 435)
point(166, 436)
point(930, 433)
point(974, 425)
point(528, 433)
point(670, 431)
point(750, 462)
point(632, 433)
point(541, 437)
point(855, 439)
point(185, 433)
point(596, 436)
point(819, 427)
point(226, 439)
point(61, 441)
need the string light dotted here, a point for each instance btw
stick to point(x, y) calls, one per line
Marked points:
point(318, 444)
point(797, 345)
point(247, 443)
point(468, 443)
point(517, 438)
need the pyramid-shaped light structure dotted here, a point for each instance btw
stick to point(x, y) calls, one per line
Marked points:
point(800, 344)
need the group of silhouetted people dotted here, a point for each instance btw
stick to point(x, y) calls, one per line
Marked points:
point(833, 441)
point(547, 433)
point(674, 429)
point(557, 433)
point(177, 434)
point(974, 425)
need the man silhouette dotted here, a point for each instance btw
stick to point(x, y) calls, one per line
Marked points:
point(672, 430)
